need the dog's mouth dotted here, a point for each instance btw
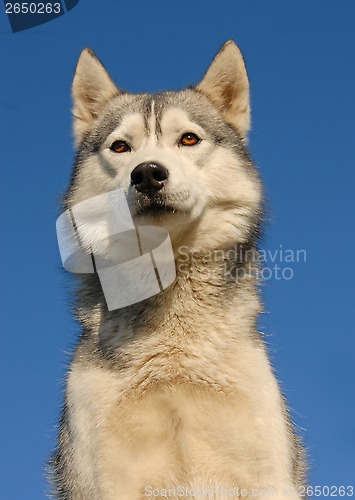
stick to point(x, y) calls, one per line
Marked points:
point(156, 207)
point(155, 210)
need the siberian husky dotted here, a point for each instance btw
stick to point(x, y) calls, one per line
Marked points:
point(174, 396)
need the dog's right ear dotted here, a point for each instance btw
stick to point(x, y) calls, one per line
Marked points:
point(92, 89)
point(226, 85)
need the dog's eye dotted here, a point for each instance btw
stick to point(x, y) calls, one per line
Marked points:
point(189, 139)
point(120, 147)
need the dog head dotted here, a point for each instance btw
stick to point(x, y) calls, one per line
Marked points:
point(180, 157)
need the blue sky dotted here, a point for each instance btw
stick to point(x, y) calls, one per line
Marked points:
point(300, 59)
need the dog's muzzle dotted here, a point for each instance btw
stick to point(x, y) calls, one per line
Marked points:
point(149, 177)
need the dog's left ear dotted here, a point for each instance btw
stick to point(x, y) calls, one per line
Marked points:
point(92, 89)
point(226, 85)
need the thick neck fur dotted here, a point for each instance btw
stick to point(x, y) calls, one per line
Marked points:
point(218, 288)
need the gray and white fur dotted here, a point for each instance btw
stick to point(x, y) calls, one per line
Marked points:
point(175, 391)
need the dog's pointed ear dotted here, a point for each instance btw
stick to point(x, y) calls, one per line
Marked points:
point(226, 85)
point(92, 89)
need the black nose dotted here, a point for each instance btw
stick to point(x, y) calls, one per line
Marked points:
point(149, 177)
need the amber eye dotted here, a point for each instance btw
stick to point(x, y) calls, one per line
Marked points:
point(189, 139)
point(120, 147)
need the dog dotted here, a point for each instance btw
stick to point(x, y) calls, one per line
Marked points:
point(174, 395)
